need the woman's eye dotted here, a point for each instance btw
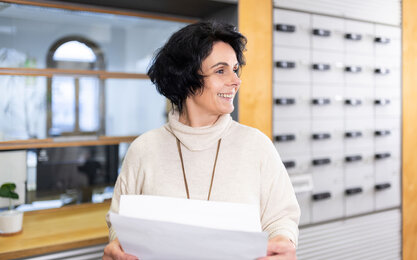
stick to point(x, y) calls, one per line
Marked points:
point(220, 71)
point(237, 71)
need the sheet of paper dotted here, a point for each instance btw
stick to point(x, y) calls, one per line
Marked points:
point(211, 214)
point(159, 240)
point(173, 233)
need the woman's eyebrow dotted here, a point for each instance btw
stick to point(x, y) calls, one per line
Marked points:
point(219, 63)
point(222, 63)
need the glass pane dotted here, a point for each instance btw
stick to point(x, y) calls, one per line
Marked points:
point(123, 43)
point(22, 107)
point(126, 43)
point(69, 175)
point(74, 51)
point(133, 107)
point(63, 105)
point(89, 104)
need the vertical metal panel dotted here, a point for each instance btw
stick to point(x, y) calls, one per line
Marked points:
point(87, 253)
point(380, 11)
point(374, 236)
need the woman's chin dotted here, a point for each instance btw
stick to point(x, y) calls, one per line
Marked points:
point(228, 110)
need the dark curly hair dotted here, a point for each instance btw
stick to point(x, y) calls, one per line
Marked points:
point(176, 67)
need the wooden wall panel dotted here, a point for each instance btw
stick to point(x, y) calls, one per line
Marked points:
point(255, 97)
point(409, 130)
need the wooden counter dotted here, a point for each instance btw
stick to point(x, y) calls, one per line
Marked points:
point(52, 230)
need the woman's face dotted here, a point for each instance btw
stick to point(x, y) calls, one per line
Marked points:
point(221, 82)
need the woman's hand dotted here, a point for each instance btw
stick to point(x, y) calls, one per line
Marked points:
point(113, 251)
point(280, 248)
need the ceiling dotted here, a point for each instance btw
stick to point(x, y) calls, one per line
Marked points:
point(196, 9)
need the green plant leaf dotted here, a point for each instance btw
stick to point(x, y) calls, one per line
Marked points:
point(14, 195)
point(8, 186)
point(4, 193)
point(7, 191)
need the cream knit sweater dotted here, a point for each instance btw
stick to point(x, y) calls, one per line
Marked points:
point(249, 170)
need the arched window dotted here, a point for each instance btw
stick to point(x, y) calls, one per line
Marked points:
point(74, 51)
point(75, 103)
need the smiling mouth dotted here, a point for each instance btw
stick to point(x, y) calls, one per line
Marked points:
point(223, 95)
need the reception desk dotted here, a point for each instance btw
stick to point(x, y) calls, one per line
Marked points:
point(53, 230)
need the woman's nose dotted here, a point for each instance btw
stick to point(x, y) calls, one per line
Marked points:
point(235, 80)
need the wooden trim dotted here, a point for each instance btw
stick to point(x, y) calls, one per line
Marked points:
point(59, 72)
point(409, 142)
point(255, 97)
point(64, 142)
point(89, 8)
point(68, 208)
point(53, 230)
point(77, 105)
point(29, 141)
point(98, 64)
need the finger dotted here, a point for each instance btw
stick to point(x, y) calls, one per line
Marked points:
point(274, 257)
point(130, 257)
point(125, 256)
point(275, 247)
point(280, 247)
point(113, 251)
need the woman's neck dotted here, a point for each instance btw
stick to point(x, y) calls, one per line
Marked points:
point(194, 118)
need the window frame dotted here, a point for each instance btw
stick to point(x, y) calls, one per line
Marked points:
point(99, 64)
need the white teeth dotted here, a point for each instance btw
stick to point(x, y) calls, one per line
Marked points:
point(225, 95)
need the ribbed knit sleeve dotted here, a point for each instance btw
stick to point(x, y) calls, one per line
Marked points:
point(280, 212)
point(130, 181)
point(119, 188)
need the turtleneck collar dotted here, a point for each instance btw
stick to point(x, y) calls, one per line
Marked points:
point(198, 138)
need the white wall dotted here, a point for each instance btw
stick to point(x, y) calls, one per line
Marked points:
point(13, 169)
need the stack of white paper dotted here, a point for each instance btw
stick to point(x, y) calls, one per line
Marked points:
point(151, 227)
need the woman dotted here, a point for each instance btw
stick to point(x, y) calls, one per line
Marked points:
point(201, 153)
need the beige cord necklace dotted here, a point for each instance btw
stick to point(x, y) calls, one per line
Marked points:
point(183, 169)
